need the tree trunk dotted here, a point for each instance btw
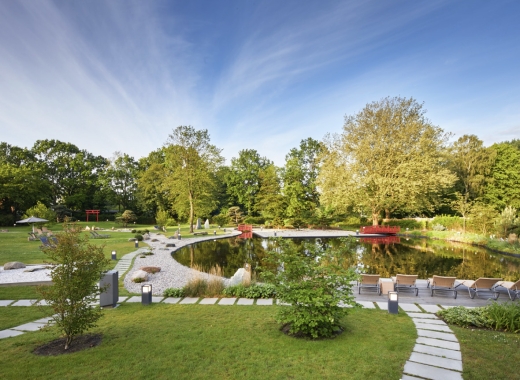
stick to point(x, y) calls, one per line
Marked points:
point(388, 213)
point(375, 218)
point(191, 212)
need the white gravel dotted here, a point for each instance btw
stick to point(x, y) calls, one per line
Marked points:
point(13, 276)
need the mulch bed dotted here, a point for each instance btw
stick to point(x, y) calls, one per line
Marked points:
point(80, 343)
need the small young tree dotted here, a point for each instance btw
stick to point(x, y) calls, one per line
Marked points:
point(507, 220)
point(314, 280)
point(77, 270)
point(127, 217)
point(235, 214)
point(41, 211)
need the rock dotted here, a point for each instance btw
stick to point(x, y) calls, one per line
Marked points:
point(239, 277)
point(87, 228)
point(13, 265)
point(206, 224)
point(171, 245)
point(33, 269)
point(198, 227)
point(139, 274)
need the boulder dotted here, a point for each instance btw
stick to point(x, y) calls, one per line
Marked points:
point(240, 276)
point(206, 224)
point(139, 274)
point(13, 265)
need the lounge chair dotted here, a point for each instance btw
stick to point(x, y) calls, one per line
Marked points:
point(32, 237)
point(513, 288)
point(46, 243)
point(405, 282)
point(95, 235)
point(370, 281)
point(482, 285)
point(443, 284)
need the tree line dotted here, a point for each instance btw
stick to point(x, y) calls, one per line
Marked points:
point(389, 161)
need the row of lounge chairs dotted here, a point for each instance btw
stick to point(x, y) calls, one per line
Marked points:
point(483, 285)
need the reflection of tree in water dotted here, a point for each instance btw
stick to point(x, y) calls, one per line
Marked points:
point(422, 257)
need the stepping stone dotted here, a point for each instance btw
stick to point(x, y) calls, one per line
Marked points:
point(437, 361)
point(42, 303)
point(134, 299)
point(429, 372)
point(436, 351)
point(121, 299)
point(189, 300)
point(264, 302)
point(430, 308)
point(44, 320)
point(227, 301)
point(439, 343)
point(157, 299)
point(6, 302)
point(382, 305)
point(430, 321)
point(245, 301)
point(9, 333)
point(171, 300)
point(208, 301)
point(366, 304)
point(31, 326)
point(437, 335)
point(278, 302)
point(24, 303)
point(406, 377)
point(409, 307)
point(434, 327)
point(421, 315)
point(341, 304)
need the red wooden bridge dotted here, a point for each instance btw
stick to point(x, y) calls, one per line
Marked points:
point(245, 227)
point(381, 240)
point(383, 230)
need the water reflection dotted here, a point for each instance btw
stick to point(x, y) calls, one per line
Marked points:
point(415, 256)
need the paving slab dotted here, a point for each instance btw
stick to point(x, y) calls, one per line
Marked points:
point(436, 361)
point(31, 326)
point(429, 372)
point(208, 301)
point(44, 320)
point(157, 299)
point(430, 308)
point(245, 301)
point(264, 302)
point(410, 307)
point(189, 301)
point(9, 333)
point(227, 301)
point(171, 300)
point(422, 315)
point(278, 302)
point(121, 299)
point(437, 335)
point(437, 351)
point(439, 343)
point(24, 303)
point(433, 327)
point(6, 302)
point(408, 377)
point(430, 321)
point(42, 303)
point(134, 299)
point(366, 304)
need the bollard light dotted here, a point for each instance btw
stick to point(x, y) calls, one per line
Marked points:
point(179, 236)
point(214, 232)
point(357, 232)
point(114, 255)
point(393, 302)
point(274, 233)
point(146, 294)
point(136, 243)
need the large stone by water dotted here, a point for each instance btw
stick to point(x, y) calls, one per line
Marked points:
point(198, 226)
point(241, 276)
point(206, 224)
point(13, 265)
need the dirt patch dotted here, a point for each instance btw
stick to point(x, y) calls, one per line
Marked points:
point(151, 270)
point(80, 343)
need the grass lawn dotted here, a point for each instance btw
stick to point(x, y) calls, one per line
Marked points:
point(223, 342)
point(12, 316)
point(489, 354)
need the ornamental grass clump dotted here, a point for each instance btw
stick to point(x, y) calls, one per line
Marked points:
point(313, 279)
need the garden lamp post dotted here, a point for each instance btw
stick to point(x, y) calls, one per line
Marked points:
point(146, 294)
point(393, 302)
point(114, 255)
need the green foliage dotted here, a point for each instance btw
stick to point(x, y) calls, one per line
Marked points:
point(75, 280)
point(450, 222)
point(507, 220)
point(221, 220)
point(41, 211)
point(127, 217)
point(163, 218)
point(235, 214)
point(251, 291)
point(139, 237)
point(138, 280)
point(313, 281)
point(482, 218)
point(404, 224)
point(174, 292)
point(254, 220)
point(438, 227)
point(497, 316)
point(196, 287)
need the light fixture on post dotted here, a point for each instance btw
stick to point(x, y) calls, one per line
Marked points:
point(180, 237)
point(393, 302)
point(146, 294)
point(136, 243)
point(114, 255)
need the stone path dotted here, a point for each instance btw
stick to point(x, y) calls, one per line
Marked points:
point(125, 262)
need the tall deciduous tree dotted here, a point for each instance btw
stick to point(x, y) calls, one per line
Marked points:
point(151, 193)
point(243, 177)
point(191, 163)
point(269, 200)
point(120, 177)
point(299, 179)
point(389, 156)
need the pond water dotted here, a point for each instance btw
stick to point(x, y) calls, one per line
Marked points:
point(423, 257)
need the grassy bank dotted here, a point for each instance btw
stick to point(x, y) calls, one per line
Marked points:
point(197, 342)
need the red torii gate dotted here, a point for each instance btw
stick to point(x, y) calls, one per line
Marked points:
point(96, 212)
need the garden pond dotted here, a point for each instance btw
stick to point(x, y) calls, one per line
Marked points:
point(423, 257)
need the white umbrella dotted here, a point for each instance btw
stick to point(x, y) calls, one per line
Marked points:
point(32, 220)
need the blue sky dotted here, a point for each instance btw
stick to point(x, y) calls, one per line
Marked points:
point(120, 75)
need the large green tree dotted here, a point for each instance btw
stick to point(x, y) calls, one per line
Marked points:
point(269, 200)
point(389, 157)
point(120, 178)
point(191, 162)
point(152, 194)
point(300, 173)
point(243, 177)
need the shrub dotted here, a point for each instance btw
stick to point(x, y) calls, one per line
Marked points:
point(196, 287)
point(173, 292)
point(41, 211)
point(133, 231)
point(496, 316)
point(138, 280)
point(139, 237)
point(313, 281)
point(404, 224)
point(254, 220)
point(353, 221)
point(220, 220)
point(450, 222)
point(438, 227)
point(75, 280)
point(464, 317)
point(252, 291)
point(6, 220)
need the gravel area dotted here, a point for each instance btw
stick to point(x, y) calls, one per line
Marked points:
point(13, 276)
point(172, 274)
